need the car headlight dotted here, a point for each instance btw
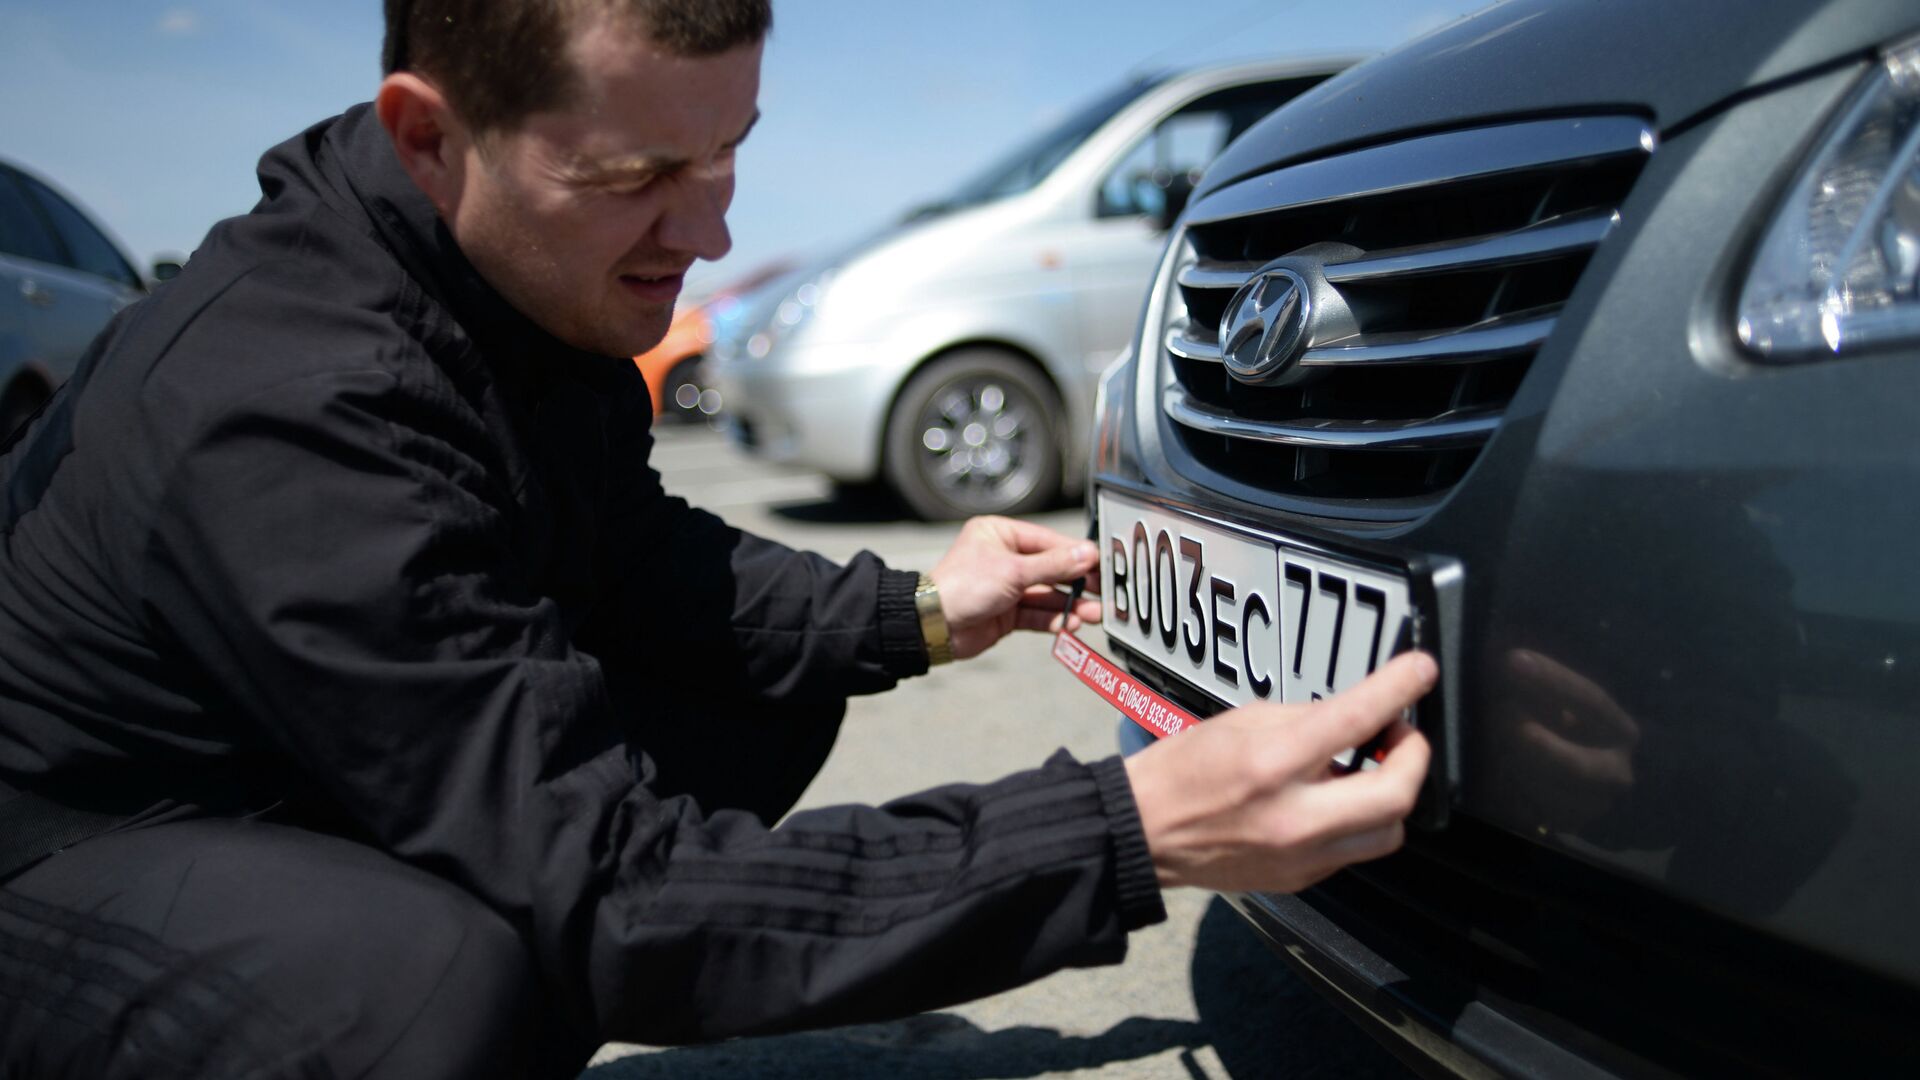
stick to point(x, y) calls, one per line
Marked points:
point(1109, 411)
point(1839, 269)
point(789, 315)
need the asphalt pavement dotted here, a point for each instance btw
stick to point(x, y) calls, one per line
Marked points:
point(1198, 996)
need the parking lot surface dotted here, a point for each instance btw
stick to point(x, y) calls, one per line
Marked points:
point(1199, 995)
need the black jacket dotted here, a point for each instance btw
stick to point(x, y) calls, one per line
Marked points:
point(324, 523)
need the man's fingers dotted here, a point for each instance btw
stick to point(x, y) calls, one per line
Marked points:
point(1031, 538)
point(1050, 598)
point(1081, 616)
point(1058, 565)
point(1376, 843)
point(1352, 716)
point(1388, 792)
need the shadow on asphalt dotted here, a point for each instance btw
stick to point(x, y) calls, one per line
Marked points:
point(927, 1046)
point(863, 504)
point(1259, 1018)
point(867, 504)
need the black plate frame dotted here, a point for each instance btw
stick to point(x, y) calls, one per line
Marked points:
point(1433, 589)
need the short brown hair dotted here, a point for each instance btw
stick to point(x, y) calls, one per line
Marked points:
point(499, 61)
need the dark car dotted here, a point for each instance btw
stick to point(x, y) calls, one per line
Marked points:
point(1578, 343)
point(61, 279)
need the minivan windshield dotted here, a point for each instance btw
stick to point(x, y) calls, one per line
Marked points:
point(1030, 162)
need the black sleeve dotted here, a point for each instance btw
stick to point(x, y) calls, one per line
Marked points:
point(330, 560)
point(693, 594)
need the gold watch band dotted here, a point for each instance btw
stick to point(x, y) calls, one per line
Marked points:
point(933, 622)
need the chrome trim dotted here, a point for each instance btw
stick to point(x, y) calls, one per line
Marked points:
point(1469, 344)
point(1543, 240)
point(1186, 348)
point(1221, 275)
point(1427, 161)
point(1450, 430)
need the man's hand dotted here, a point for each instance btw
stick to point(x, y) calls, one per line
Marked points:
point(1249, 800)
point(1000, 576)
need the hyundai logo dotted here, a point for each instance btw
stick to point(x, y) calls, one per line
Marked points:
point(1265, 326)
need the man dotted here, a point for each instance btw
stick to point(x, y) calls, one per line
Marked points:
point(388, 719)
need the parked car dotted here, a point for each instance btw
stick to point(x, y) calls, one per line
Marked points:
point(675, 369)
point(954, 357)
point(61, 279)
point(1580, 344)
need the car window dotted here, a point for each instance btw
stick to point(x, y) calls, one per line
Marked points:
point(23, 231)
point(1030, 163)
point(87, 249)
point(1186, 142)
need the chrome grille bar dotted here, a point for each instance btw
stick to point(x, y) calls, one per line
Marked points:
point(1450, 430)
point(1481, 341)
point(1488, 340)
point(1546, 240)
point(1217, 275)
point(1189, 348)
point(1428, 161)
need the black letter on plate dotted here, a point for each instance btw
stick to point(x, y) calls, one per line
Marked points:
point(1197, 641)
point(1368, 596)
point(1262, 684)
point(1118, 554)
point(1163, 546)
point(1142, 575)
point(1338, 587)
point(1223, 631)
point(1303, 577)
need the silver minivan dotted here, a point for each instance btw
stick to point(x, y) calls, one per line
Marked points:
point(954, 356)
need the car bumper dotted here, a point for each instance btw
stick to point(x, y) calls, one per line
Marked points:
point(820, 408)
point(1433, 1033)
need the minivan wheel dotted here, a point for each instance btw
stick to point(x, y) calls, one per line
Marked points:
point(974, 432)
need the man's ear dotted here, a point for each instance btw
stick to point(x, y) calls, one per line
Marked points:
point(428, 137)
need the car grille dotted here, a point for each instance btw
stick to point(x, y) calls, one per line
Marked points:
point(1439, 265)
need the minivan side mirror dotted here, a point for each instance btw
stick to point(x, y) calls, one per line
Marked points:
point(1176, 187)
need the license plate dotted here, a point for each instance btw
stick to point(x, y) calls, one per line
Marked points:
point(1243, 615)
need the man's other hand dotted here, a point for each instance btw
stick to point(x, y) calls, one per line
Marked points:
point(1250, 800)
point(1002, 575)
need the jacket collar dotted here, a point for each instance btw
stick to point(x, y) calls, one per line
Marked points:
point(357, 157)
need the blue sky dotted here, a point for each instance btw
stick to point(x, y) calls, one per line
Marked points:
point(152, 113)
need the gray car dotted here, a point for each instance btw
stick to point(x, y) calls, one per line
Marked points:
point(954, 357)
point(1578, 343)
point(61, 279)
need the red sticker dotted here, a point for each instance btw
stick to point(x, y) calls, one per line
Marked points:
point(1156, 714)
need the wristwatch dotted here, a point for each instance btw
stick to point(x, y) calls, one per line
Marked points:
point(933, 622)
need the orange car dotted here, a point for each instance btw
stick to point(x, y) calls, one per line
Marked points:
point(672, 368)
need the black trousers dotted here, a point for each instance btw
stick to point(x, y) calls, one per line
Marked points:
point(226, 948)
point(232, 948)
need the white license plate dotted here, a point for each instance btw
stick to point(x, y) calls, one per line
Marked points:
point(1242, 615)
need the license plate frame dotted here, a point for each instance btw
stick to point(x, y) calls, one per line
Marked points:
point(1421, 600)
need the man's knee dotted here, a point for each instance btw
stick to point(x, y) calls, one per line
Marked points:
point(226, 947)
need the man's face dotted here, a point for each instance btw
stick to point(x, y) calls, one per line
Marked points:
point(587, 218)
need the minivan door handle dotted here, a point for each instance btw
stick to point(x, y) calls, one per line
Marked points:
point(35, 295)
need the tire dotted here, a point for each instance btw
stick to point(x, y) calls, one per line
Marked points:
point(974, 432)
point(688, 398)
